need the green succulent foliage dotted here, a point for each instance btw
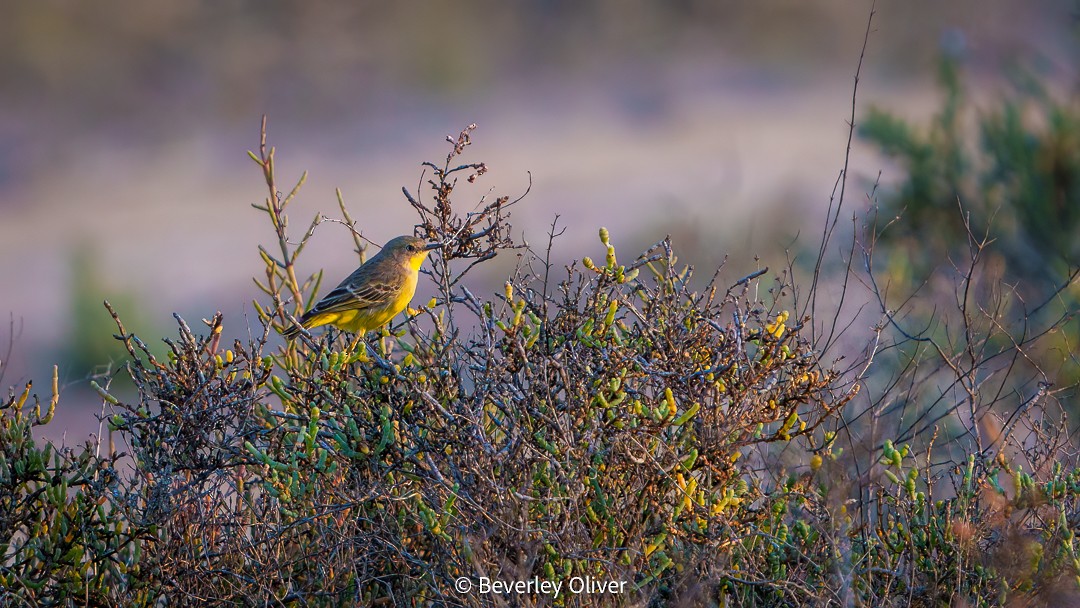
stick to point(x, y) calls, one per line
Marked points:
point(62, 541)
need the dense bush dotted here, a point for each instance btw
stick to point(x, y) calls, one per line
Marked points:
point(63, 541)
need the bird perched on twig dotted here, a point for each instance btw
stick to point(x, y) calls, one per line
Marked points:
point(374, 293)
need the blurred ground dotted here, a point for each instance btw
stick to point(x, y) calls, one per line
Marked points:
point(123, 132)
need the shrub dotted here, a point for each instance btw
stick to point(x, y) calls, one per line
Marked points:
point(62, 541)
point(592, 426)
point(1011, 168)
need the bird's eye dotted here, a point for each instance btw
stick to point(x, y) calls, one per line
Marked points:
point(411, 248)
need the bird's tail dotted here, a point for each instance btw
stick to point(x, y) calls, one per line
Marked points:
point(291, 333)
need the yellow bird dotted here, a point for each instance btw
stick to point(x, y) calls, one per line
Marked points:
point(374, 293)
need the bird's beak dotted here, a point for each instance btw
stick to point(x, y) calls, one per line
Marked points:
point(431, 246)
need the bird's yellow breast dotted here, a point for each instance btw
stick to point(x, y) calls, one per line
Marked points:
point(372, 317)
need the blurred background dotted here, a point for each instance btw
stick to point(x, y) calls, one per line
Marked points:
point(124, 129)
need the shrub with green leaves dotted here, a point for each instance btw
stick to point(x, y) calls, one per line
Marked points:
point(586, 421)
point(61, 540)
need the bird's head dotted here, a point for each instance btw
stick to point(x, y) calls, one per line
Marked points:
point(408, 250)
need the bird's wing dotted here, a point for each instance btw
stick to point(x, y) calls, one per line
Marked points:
point(356, 292)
